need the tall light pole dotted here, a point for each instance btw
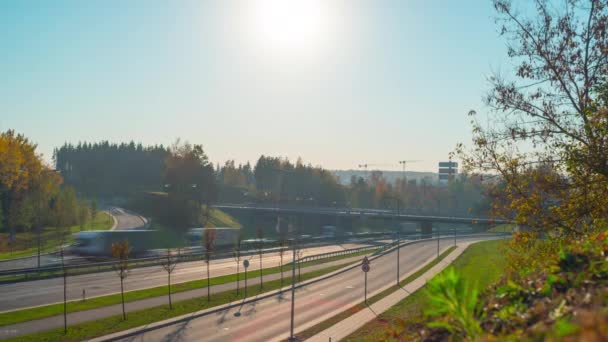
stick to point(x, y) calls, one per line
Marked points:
point(292, 338)
point(293, 292)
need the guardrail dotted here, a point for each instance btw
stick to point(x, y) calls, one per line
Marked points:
point(34, 273)
point(88, 268)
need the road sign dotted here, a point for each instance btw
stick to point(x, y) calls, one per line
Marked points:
point(245, 263)
point(365, 268)
point(365, 261)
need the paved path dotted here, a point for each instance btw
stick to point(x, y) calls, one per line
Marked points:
point(348, 326)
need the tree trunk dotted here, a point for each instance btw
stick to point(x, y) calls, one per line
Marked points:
point(169, 282)
point(281, 270)
point(65, 302)
point(261, 277)
point(237, 276)
point(208, 284)
point(122, 297)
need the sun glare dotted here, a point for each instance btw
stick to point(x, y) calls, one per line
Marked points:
point(291, 24)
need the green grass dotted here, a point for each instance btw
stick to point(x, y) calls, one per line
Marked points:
point(501, 228)
point(131, 296)
point(112, 324)
point(219, 218)
point(482, 263)
point(25, 243)
point(353, 310)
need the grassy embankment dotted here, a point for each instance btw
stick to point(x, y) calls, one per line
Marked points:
point(26, 243)
point(482, 263)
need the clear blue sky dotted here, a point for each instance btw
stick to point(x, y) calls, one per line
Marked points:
point(355, 81)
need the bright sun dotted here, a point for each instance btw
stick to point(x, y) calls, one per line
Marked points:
point(291, 24)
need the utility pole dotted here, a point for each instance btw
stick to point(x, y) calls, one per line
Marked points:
point(293, 292)
point(438, 243)
point(65, 299)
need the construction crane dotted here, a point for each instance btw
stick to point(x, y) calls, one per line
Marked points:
point(365, 166)
point(404, 163)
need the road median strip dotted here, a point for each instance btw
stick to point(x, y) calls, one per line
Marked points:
point(156, 317)
point(40, 312)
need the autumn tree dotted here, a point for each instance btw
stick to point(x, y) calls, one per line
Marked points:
point(209, 238)
point(547, 133)
point(83, 216)
point(259, 246)
point(237, 253)
point(169, 263)
point(120, 251)
point(283, 244)
point(190, 183)
point(93, 207)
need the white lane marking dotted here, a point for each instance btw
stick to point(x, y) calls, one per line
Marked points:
point(350, 287)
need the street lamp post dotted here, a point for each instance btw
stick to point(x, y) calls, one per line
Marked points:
point(293, 292)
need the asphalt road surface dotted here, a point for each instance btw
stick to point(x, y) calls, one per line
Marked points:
point(269, 319)
point(48, 291)
point(125, 220)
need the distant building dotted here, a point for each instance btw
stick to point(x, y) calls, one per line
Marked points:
point(447, 171)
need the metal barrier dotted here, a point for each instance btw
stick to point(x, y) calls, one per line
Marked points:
point(96, 267)
point(87, 268)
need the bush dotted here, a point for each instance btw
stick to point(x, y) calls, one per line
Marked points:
point(454, 304)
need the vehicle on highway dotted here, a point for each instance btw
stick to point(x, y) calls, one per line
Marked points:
point(328, 231)
point(98, 243)
point(225, 237)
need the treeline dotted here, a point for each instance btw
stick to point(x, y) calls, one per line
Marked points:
point(107, 169)
point(127, 169)
point(32, 194)
point(279, 181)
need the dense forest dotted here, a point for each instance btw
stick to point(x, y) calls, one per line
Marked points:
point(106, 169)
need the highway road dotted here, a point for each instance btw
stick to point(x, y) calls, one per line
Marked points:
point(48, 291)
point(124, 220)
point(127, 220)
point(269, 319)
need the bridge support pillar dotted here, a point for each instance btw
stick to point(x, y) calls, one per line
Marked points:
point(426, 229)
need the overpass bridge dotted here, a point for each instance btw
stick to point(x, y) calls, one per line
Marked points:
point(349, 215)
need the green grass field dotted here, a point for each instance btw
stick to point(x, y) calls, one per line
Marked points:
point(502, 228)
point(219, 218)
point(26, 243)
point(97, 302)
point(88, 330)
point(482, 263)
